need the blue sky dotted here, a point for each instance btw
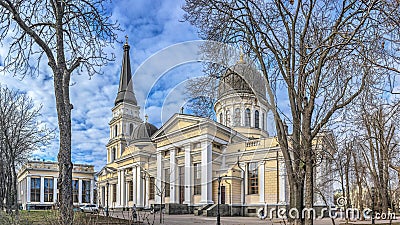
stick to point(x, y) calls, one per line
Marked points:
point(151, 26)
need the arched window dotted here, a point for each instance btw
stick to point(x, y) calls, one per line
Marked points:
point(113, 152)
point(115, 130)
point(247, 118)
point(236, 120)
point(228, 118)
point(256, 119)
point(220, 118)
point(130, 129)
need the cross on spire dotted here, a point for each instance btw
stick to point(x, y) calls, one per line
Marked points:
point(126, 39)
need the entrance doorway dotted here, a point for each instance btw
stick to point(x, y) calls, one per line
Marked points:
point(222, 194)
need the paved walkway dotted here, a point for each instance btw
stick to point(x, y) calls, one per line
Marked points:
point(191, 219)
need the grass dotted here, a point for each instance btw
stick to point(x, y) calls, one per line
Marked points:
point(51, 217)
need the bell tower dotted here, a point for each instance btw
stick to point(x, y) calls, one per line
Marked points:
point(125, 113)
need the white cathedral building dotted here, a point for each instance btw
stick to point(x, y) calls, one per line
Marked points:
point(182, 164)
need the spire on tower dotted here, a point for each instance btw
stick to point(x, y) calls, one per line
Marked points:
point(125, 90)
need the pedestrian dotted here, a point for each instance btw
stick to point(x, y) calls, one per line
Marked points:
point(134, 214)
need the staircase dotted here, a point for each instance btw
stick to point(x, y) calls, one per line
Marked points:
point(224, 210)
point(200, 210)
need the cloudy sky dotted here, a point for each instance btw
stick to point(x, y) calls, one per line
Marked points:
point(152, 26)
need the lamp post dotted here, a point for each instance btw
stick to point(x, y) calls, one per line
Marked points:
point(108, 186)
point(219, 196)
point(373, 204)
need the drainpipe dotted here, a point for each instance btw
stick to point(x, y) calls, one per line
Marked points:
point(243, 186)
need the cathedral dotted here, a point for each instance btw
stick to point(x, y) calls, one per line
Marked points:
point(191, 163)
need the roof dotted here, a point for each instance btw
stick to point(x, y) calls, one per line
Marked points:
point(242, 78)
point(143, 132)
point(125, 89)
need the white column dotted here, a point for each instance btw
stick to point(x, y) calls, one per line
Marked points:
point(282, 182)
point(80, 191)
point(42, 189)
point(55, 190)
point(118, 202)
point(126, 196)
point(159, 178)
point(122, 189)
point(245, 180)
point(147, 197)
point(92, 191)
point(188, 183)
point(28, 189)
point(261, 184)
point(139, 187)
point(173, 173)
point(134, 185)
point(206, 172)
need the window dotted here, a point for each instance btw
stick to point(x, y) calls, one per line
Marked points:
point(114, 192)
point(115, 130)
point(166, 183)
point(86, 191)
point(48, 189)
point(221, 118)
point(228, 118)
point(252, 177)
point(197, 178)
point(130, 189)
point(103, 195)
point(247, 118)
point(256, 119)
point(130, 129)
point(151, 188)
point(35, 189)
point(113, 151)
point(75, 190)
point(236, 118)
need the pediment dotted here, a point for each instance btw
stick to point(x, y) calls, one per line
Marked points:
point(178, 122)
point(106, 170)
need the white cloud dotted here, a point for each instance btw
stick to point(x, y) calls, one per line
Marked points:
point(151, 26)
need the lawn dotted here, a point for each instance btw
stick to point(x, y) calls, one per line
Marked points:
point(50, 217)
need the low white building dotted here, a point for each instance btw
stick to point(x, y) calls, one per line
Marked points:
point(37, 184)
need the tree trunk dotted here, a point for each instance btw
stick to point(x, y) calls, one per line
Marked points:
point(357, 171)
point(64, 154)
point(309, 186)
point(14, 193)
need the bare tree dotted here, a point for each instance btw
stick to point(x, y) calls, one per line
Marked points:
point(380, 146)
point(324, 53)
point(202, 93)
point(20, 134)
point(66, 35)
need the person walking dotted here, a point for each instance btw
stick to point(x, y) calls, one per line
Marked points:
point(134, 214)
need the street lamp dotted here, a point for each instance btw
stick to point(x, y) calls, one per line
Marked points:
point(108, 186)
point(219, 195)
